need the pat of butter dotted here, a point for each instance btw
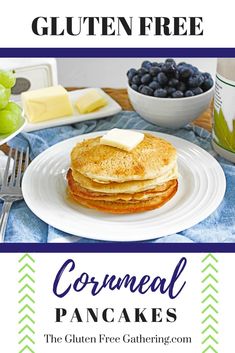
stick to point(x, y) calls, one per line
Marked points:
point(90, 101)
point(46, 103)
point(123, 139)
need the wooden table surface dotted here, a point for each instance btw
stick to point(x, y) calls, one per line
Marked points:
point(120, 95)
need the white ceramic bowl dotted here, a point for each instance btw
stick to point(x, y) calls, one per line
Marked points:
point(170, 112)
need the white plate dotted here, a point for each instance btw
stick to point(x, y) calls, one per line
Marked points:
point(110, 109)
point(201, 189)
point(6, 138)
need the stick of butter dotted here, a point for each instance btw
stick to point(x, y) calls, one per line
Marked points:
point(90, 101)
point(123, 139)
point(46, 103)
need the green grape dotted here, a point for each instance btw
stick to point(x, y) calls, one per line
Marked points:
point(7, 78)
point(13, 107)
point(10, 120)
point(5, 94)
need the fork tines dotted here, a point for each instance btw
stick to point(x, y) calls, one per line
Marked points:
point(19, 167)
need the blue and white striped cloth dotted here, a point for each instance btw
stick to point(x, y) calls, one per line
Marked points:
point(24, 226)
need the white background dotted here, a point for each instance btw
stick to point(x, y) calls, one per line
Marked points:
point(188, 303)
point(16, 19)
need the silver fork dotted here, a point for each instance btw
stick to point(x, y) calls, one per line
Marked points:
point(11, 187)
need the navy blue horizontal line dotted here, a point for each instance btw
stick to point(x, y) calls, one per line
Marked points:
point(116, 52)
point(118, 248)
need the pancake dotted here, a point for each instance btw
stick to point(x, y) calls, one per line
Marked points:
point(77, 190)
point(123, 207)
point(150, 159)
point(113, 180)
point(128, 186)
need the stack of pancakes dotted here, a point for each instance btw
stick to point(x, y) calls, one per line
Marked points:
point(113, 180)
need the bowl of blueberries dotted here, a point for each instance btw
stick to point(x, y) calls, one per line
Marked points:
point(168, 94)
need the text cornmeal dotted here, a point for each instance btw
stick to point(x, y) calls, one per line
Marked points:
point(113, 282)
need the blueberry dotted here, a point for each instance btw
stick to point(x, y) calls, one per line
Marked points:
point(171, 61)
point(173, 82)
point(186, 72)
point(169, 69)
point(146, 64)
point(154, 70)
point(136, 80)
point(147, 78)
point(182, 63)
point(180, 66)
point(160, 92)
point(177, 94)
point(131, 73)
point(181, 86)
point(154, 85)
point(147, 91)
point(170, 91)
point(134, 87)
point(177, 74)
point(162, 79)
point(168, 79)
point(193, 81)
point(197, 91)
point(142, 71)
point(155, 79)
point(200, 79)
point(140, 88)
point(207, 84)
point(195, 70)
point(206, 75)
point(188, 93)
point(164, 68)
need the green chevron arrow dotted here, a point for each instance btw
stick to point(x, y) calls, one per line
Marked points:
point(210, 297)
point(26, 286)
point(208, 267)
point(210, 307)
point(210, 256)
point(209, 317)
point(26, 337)
point(25, 349)
point(26, 276)
point(26, 317)
point(26, 267)
point(210, 338)
point(210, 277)
point(211, 328)
point(26, 296)
point(210, 286)
point(26, 307)
point(210, 348)
point(27, 327)
point(26, 256)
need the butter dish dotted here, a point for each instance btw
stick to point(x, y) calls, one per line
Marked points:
point(111, 108)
